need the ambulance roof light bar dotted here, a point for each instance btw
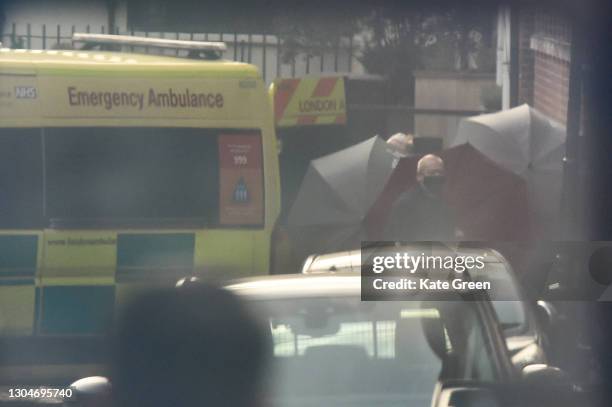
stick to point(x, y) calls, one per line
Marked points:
point(194, 47)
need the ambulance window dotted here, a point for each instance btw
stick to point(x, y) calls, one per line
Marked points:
point(132, 176)
point(20, 178)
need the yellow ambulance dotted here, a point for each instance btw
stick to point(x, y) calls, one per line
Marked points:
point(121, 170)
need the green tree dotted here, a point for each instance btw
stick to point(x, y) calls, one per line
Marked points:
point(396, 39)
point(305, 29)
point(393, 47)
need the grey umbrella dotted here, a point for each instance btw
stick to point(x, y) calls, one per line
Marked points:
point(526, 142)
point(335, 196)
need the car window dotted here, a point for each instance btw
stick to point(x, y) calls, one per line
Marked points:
point(323, 348)
point(505, 293)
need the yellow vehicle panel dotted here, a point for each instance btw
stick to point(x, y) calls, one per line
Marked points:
point(63, 281)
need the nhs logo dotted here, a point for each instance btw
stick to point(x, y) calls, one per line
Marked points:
point(25, 92)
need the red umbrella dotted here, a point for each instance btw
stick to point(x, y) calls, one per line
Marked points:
point(489, 202)
point(402, 178)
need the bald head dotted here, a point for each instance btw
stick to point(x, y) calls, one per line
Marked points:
point(430, 166)
point(401, 143)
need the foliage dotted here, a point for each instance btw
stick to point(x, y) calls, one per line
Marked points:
point(306, 30)
point(491, 98)
point(397, 39)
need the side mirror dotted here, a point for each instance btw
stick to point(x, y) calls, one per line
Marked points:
point(547, 314)
point(542, 374)
point(544, 385)
point(94, 391)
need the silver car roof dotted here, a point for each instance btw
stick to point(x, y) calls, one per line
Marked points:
point(351, 260)
point(298, 286)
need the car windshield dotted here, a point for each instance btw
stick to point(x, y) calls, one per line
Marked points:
point(345, 352)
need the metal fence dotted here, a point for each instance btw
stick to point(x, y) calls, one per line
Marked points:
point(268, 51)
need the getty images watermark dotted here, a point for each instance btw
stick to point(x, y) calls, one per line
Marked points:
point(481, 271)
point(401, 271)
point(409, 263)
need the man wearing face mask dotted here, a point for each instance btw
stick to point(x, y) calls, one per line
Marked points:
point(420, 214)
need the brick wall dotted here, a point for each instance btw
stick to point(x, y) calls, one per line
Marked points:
point(550, 43)
point(525, 64)
point(550, 90)
point(544, 61)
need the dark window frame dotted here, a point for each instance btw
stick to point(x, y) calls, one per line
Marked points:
point(24, 208)
point(39, 219)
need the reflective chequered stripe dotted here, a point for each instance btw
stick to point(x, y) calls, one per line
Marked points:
point(146, 260)
point(18, 261)
point(87, 273)
point(80, 310)
point(160, 256)
point(71, 282)
point(77, 293)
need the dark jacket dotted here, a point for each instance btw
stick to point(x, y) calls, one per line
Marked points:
point(417, 216)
